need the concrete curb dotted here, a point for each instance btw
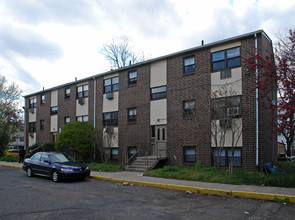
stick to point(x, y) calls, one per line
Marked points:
point(205, 191)
point(13, 166)
point(193, 189)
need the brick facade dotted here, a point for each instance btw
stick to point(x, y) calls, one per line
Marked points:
point(181, 131)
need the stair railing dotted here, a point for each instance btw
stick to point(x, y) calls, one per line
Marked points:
point(133, 155)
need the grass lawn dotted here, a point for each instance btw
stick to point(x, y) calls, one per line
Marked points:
point(9, 159)
point(239, 177)
point(108, 166)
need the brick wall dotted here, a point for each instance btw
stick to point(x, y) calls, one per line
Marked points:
point(66, 107)
point(43, 113)
point(182, 132)
point(138, 96)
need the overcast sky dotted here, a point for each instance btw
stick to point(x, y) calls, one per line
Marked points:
point(45, 43)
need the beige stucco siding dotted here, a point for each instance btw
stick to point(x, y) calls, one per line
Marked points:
point(228, 135)
point(232, 85)
point(54, 98)
point(32, 140)
point(110, 140)
point(53, 123)
point(159, 73)
point(111, 75)
point(225, 46)
point(158, 112)
point(82, 109)
point(111, 105)
point(82, 83)
point(32, 116)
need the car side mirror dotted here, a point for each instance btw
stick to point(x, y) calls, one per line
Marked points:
point(47, 161)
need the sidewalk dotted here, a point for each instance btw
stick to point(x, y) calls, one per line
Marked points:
point(243, 191)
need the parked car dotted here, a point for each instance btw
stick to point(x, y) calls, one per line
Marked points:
point(11, 153)
point(56, 165)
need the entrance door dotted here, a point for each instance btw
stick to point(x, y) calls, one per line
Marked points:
point(160, 148)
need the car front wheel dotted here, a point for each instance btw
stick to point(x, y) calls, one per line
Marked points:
point(29, 172)
point(55, 176)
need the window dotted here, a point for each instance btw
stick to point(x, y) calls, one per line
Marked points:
point(132, 115)
point(226, 59)
point(33, 103)
point(189, 65)
point(82, 118)
point(189, 154)
point(82, 91)
point(67, 120)
point(110, 119)
point(44, 157)
point(114, 154)
point(158, 93)
point(226, 108)
point(36, 157)
point(226, 156)
point(111, 85)
point(132, 78)
point(68, 93)
point(42, 99)
point(54, 110)
point(32, 127)
point(132, 153)
point(236, 159)
point(189, 108)
point(42, 124)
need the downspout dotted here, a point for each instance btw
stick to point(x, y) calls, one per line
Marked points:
point(94, 111)
point(257, 109)
point(94, 105)
point(25, 125)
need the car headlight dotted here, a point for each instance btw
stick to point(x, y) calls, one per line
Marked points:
point(87, 168)
point(66, 170)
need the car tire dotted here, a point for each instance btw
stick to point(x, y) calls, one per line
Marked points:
point(29, 172)
point(55, 176)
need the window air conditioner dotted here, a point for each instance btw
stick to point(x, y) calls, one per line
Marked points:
point(81, 101)
point(31, 135)
point(109, 95)
point(109, 130)
point(225, 123)
point(32, 110)
point(234, 111)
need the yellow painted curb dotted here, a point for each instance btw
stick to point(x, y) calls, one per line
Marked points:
point(218, 192)
point(13, 166)
point(118, 180)
point(101, 178)
point(158, 185)
point(183, 188)
point(261, 196)
point(290, 198)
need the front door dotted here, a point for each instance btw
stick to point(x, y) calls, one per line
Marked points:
point(160, 148)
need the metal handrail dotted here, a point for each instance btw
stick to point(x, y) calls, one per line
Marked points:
point(131, 158)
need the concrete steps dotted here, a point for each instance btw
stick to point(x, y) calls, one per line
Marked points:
point(142, 164)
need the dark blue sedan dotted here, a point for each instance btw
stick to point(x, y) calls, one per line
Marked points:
point(56, 165)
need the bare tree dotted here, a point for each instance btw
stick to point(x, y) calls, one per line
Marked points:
point(110, 138)
point(225, 123)
point(119, 52)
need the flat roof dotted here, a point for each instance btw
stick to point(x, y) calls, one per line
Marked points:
point(227, 40)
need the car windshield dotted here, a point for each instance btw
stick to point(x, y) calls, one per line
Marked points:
point(59, 158)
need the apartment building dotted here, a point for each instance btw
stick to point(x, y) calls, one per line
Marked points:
point(163, 106)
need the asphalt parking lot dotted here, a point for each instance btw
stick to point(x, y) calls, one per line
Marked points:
point(22, 197)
